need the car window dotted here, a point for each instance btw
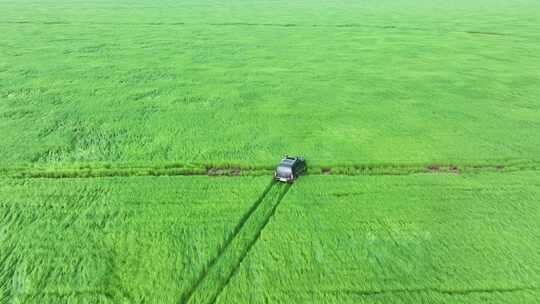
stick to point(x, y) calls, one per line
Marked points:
point(284, 171)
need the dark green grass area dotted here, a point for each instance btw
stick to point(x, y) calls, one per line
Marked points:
point(394, 239)
point(114, 240)
point(245, 82)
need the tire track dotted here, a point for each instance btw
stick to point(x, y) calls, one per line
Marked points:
point(227, 243)
point(220, 270)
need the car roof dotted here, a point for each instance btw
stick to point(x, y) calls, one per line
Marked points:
point(288, 161)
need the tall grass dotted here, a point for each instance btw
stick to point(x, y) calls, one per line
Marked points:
point(398, 239)
point(113, 239)
point(103, 90)
point(182, 82)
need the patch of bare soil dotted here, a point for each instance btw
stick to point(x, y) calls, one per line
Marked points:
point(222, 172)
point(215, 172)
point(235, 172)
point(434, 168)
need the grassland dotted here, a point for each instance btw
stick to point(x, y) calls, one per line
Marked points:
point(117, 116)
point(437, 238)
point(398, 239)
point(244, 82)
point(114, 240)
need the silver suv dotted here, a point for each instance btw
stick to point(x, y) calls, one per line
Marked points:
point(290, 168)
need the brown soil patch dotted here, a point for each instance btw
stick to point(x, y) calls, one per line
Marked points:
point(215, 172)
point(453, 169)
point(434, 168)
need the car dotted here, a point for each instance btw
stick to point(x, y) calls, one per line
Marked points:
point(290, 168)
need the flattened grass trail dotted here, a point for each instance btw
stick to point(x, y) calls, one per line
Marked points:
point(216, 277)
point(114, 240)
point(398, 239)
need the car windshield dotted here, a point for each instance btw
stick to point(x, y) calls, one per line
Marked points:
point(283, 171)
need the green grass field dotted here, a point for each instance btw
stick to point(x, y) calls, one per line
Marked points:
point(138, 138)
point(399, 239)
point(114, 240)
point(201, 82)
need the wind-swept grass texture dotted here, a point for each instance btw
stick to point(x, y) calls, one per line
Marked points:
point(244, 82)
point(114, 240)
point(213, 281)
point(103, 102)
point(398, 239)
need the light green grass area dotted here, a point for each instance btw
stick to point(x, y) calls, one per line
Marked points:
point(244, 82)
point(431, 106)
point(398, 239)
point(114, 240)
